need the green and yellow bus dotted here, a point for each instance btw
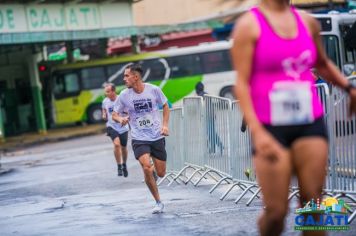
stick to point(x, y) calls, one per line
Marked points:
point(78, 87)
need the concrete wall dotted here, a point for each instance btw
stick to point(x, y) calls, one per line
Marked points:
point(156, 12)
point(150, 12)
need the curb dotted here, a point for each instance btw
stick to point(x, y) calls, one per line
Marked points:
point(5, 171)
point(43, 140)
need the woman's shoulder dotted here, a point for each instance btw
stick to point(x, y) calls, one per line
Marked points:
point(246, 23)
point(309, 21)
point(247, 19)
point(304, 14)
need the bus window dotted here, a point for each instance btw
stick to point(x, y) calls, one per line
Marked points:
point(186, 65)
point(66, 85)
point(93, 77)
point(113, 70)
point(349, 54)
point(332, 49)
point(349, 35)
point(213, 62)
point(350, 45)
point(157, 70)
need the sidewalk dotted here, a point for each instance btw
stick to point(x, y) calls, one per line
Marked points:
point(53, 135)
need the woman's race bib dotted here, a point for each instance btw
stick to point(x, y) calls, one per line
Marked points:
point(291, 103)
point(144, 122)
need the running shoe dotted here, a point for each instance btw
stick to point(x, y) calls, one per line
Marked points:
point(158, 208)
point(119, 171)
point(126, 173)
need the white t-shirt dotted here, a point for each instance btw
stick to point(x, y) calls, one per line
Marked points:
point(108, 105)
point(145, 118)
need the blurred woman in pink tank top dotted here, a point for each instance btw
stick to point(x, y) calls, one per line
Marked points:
point(275, 47)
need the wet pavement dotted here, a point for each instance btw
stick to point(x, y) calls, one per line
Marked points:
point(72, 188)
point(19, 142)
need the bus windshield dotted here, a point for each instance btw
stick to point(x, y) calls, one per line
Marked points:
point(331, 43)
point(338, 36)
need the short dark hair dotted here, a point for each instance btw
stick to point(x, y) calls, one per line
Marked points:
point(135, 68)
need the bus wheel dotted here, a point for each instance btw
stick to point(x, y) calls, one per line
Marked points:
point(227, 92)
point(95, 114)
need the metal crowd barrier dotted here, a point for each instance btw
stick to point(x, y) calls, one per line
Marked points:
point(217, 143)
point(211, 129)
point(324, 96)
point(209, 141)
point(194, 138)
point(241, 157)
point(174, 143)
point(343, 155)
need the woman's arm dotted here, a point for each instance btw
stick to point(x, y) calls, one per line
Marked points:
point(244, 38)
point(326, 67)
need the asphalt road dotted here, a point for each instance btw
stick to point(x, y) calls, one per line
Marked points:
point(72, 188)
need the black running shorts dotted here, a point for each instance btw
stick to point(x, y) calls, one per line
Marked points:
point(286, 135)
point(156, 149)
point(113, 134)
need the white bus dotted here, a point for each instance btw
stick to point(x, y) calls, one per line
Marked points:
point(338, 32)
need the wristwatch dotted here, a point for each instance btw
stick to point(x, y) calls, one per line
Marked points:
point(349, 87)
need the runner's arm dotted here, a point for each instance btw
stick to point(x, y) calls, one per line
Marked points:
point(166, 111)
point(162, 100)
point(244, 38)
point(324, 66)
point(104, 116)
point(116, 117)
point(119, 109)
point(120, 119)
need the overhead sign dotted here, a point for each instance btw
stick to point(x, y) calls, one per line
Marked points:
point(63, 17)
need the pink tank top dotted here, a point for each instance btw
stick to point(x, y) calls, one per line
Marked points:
point(281, 81)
